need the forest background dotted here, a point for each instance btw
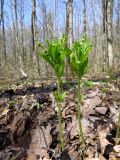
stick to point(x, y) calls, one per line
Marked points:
point(23, 22)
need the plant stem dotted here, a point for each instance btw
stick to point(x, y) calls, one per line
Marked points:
point(81, 138)
point(60, 117)
point(118, 127)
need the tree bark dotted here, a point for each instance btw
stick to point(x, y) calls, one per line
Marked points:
point(22, 31)
point(55, 15)
point(33, 30)
point(15, 29)
point(3, 30)
point(84, 17)
point(70, 22)
point(109, 33)
point(104, 34)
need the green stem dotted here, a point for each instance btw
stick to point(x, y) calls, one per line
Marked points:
point(60, 118)
point(81, 137)
point(118, 128)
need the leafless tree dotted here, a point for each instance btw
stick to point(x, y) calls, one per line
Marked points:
point(3, 28)
point(33, 31)
point(109, 34)
point(23, 22)
point(15, 29)
point(55, 16)
point(84, 17)
point(69, 21)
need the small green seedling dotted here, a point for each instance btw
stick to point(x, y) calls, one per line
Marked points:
point(79, 64)
point(54, 54)
point(88, 84)
point(11, 105)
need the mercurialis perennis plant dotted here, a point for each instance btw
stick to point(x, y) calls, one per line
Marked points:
point(79, 64)
point(54, 54)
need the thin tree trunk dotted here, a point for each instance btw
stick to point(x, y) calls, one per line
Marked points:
point(33, 30)
point(33, 16)
point(45, 30)
point(69, 32)
point(15, 27)
point(22, 30)
point(95, 37)
point(3, 29)
point(55, 15)
point(78, 25)
point(109, 33)
point(104, 34)
point(70, 22)
point(84, 17)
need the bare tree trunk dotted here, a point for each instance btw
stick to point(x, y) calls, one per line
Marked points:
point(33, 16)
point(3, 29)
point(104, 33)
point(84, 17)
point(45, 29)
point(78, 24)
point(118, 25)
point(95, 37)
point(22, 30)
point(55, 15)
point(70, 22)
point(15, 27)
point(109, 34)
point(69, 32)
point(118, 35)
point(33, 30)
point(107, 11)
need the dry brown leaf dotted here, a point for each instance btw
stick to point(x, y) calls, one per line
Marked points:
point(118, 155)
point(90, 152)
point(92, 159)
point(113, 110)
point(31, 156)
point(96, 101)
point(101, 110)
point(93, 93)
point(75, 128)
point(101, 157)
point(74, 154)
point(117, 148)
point(4, 112)
point(112, 156)
point(18, 126)
point(102, 138)
point(40, 139)
point(89, 105)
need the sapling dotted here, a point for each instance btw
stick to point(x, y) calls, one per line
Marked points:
point(54, 55)
point(79, 64)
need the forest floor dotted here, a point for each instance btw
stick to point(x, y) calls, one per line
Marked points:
point(28, 121)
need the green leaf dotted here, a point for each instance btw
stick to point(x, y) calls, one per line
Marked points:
point(39, 45)
point(79, 56)
point(47, 59)
point(11, 105)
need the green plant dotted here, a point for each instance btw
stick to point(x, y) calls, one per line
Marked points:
point(105, 90)
point(88, 84)
point(54, 54)
point(79, 64)
point(11, 105)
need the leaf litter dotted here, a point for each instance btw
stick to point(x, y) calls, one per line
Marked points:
point(28, 129)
